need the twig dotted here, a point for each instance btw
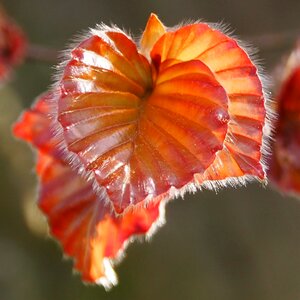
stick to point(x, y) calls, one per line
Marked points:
point(41, 54)
point(275, 40)
point(266, 42)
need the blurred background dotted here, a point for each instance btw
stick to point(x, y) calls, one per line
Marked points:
point(239, 244)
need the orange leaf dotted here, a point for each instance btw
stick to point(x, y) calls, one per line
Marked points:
point(153, 31)
point(185, 110)
point(234, 71)
point(142, 129)
point(189, 111)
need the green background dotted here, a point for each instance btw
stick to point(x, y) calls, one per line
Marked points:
point(237, 245)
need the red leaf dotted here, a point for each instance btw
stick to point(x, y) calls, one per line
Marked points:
point(12, 44)
point(34, 127)
point(81, 220)
point(285, 165)
point(86, 228)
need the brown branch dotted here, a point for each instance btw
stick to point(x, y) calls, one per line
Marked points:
point(42, 54)
point(274, 40)
point(266, 42)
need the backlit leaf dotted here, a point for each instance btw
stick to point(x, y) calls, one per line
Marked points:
point(88, 231)
point(87, 228)
point(234, 71)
